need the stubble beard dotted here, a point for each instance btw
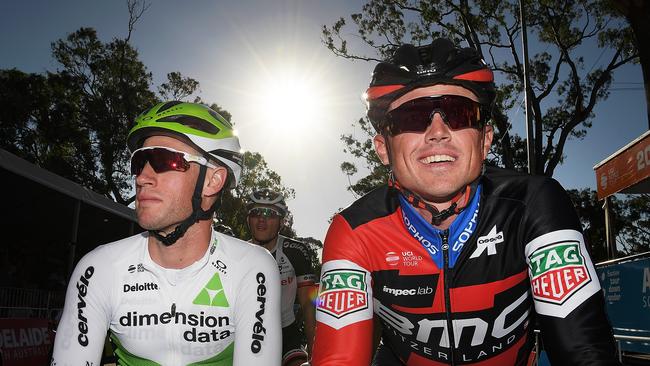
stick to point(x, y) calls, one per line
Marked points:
point(162, 221)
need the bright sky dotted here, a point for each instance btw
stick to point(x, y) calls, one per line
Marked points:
point(259, 60)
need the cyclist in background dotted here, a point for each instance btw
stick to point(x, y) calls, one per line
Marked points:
point(180, 293)
point(454, 258)
point(266, 213)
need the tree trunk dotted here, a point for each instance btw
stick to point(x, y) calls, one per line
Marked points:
point(637, 13)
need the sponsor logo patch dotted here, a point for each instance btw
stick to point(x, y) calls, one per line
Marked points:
point(136, 287)
point(412, 291)
point(212, 293)
point(410, 259)
point(220, 266)
point(259, 332)
point(343, 292)
point(132, 268)
point(558, 271)
point(488, 242)
point(408, 292)
point(392, 258)
point(82, 291)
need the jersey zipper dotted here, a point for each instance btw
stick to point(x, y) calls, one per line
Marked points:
point(450, 330)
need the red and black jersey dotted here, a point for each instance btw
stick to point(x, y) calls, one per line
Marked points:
point(524, 260)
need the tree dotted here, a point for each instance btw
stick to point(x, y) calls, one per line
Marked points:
point(631, 221)
point(74, 122)
point(38, 115)
point(362, 149)
point(177, 87)
point(633, 233)
point(637, 13)
point(113, 86)
point(564, 90)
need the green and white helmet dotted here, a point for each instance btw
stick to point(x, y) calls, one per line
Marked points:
point(195, 124)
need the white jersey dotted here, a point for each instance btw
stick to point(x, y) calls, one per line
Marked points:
point(224, 309)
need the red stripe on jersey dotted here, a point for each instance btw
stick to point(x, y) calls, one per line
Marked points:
point(327, 339)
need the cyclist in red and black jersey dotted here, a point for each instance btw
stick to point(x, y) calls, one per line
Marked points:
point(454, 260)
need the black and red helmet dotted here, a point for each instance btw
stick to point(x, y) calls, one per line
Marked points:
point(412, 67)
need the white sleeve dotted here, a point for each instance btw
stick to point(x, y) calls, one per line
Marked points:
point(258, 331)
point(82, 329)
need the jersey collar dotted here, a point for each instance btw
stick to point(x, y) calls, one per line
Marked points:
point(431, 238)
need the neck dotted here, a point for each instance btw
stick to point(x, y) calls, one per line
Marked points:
point(186, 250)
point(443, 224)
point(459, 198)
point(269, 245)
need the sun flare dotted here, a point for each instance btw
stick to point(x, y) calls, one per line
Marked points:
point(291, 102)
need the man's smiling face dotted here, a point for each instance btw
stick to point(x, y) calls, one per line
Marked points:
point(438, 162)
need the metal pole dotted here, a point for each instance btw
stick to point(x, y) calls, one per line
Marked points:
point(530, 146)
point(609, 231)
point(73, 237)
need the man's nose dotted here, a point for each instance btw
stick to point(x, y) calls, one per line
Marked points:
point(146, 175)
point(438, 129)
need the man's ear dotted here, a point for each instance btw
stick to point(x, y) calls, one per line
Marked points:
point(488, 134)
point(215, 179)
point(381, 148)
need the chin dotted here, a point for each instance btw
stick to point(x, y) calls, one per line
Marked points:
point(151, 223)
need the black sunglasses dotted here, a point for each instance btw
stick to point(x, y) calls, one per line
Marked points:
point(416, 115)
point(163, 159)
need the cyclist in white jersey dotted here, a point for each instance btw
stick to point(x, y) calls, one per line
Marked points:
point(181, 293)
point(266, 210)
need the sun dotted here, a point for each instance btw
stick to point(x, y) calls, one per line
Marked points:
point(291, 101)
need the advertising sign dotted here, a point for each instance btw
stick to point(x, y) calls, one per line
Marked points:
point(627, 167)
point(626, 285)
point(25, 342)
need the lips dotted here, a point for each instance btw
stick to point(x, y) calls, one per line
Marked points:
point(146, 197)
point(437, 157)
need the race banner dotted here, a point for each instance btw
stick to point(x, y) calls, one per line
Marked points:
point(25, 342)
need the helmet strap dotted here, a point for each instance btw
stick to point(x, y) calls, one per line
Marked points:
point(197, 212)
point(437, 217)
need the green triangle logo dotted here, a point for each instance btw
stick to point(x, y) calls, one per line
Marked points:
point(212, 293)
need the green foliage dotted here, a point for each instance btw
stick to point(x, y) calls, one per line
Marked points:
point(177, 87)
point(111, 86)
point(630, 217)
point(74, 122)
point(38, 115)
point(634, 223)
point(361, 148)
point(564, 89)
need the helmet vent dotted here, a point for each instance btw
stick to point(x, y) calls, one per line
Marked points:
point(144, 112)
point(219, 118)
point(168, 105)
point(191, 122)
